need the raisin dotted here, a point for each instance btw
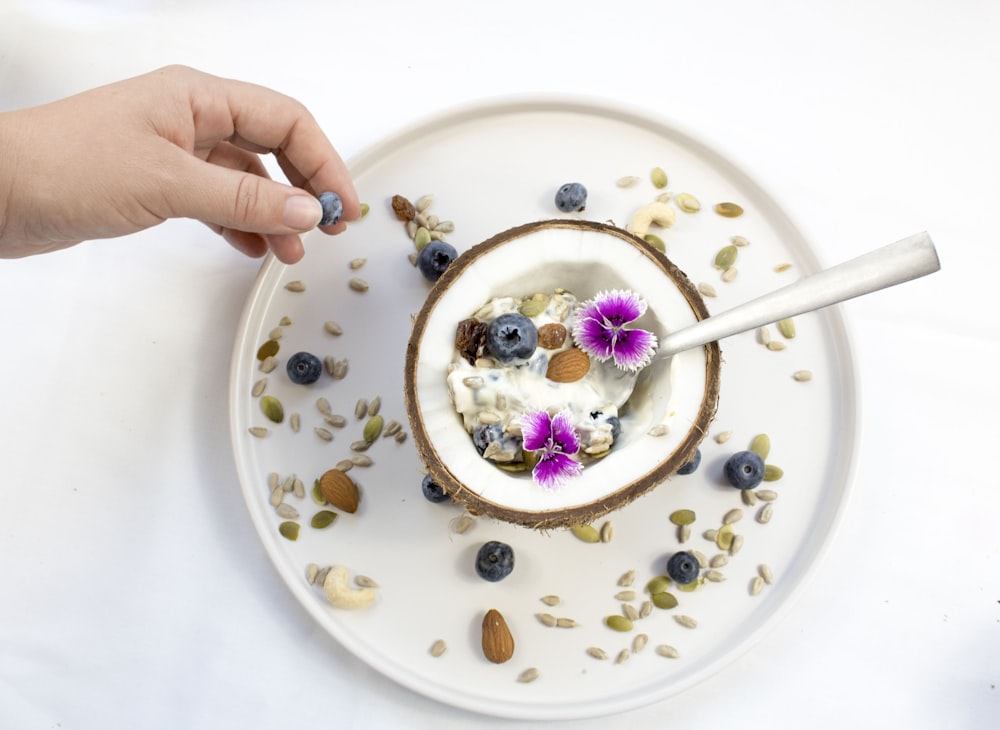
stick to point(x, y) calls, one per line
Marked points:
point(470, 339)
point(403, 208)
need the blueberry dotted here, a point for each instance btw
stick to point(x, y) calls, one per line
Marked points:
point(433, 492)
point(333, 208)
point(692, 465)
point(744, 469)
point(304, 368)
point(434, 258)
point(571, 198)
point(616, 426)
point(495, 561)
point(682, 567)
point(511, 336)
point(483, 436)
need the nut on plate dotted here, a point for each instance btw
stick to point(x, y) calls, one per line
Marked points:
point(498, 643)
point(568, 366)
point(339, 490)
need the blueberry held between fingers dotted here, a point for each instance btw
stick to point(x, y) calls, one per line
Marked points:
point(304, 368)
point(571, 198)
point(433, 492)
point(682, 567)
point(511, 336)
point(744, 470)
point(434, 258)
point(494, 561)
point(333, 208)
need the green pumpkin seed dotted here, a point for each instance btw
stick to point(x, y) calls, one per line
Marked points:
point(729, 210)
point(787, 328)
point(373, 429)
point(664, 600)
point(726, 257)
point(688, 203)
point(618, 622)
point(659, 178)
point(682, 517)
point(657, 584)
point(364, 209)
point(272, 408)
point(421, 238)
point(268, 349)
point(317, 493)
point(289, 530)
point(532, 307)
point(761, 445)
point(587, 533)
point(772, 473)
point(323, 518)
point(724, 537)
point(656, 242)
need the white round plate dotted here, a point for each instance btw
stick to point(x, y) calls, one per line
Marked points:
point(491, 166)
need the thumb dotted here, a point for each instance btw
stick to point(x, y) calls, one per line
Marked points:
point(242, 200)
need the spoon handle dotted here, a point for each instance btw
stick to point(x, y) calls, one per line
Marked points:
point(908, 259)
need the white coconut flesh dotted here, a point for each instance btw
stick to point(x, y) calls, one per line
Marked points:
point(586, 258)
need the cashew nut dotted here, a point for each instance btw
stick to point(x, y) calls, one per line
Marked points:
point(656, 212)
point(339, 592)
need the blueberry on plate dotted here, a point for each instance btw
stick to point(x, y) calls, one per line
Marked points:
point(744, 469)
point(494, 561)
point(434, 258)
point(682, 567)
point(511, 336)
point(571, 197)
point(304, 368)
point(433, 491)
point(692, 465)
point(333, 208)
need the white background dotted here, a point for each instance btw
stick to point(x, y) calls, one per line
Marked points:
point(134, 591)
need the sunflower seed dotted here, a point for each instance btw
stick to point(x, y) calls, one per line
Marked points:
point(287, 511)
point(356, 264)
point(667, 651)
point(488, 418)
point(748, 497)
point(776, 346)
point(715, 576)
point(765, 513)
point(335, 419)
point(566, 623)
point(723, 437)
point(358, 284)
point(323, 433)
point(323, 406)
point(361, 460)
point(765, 572)
point(707, 289)
point(321, 575)
point(547, 619)
point(607, 531)
point(700, 557)
point(528, 675)
point(732, 516)
point(630, 612)
point(276, 333)
point(764, 336)
point(550, 600)
point(375, 405)
point(645, 609)
point(683, 533)
point(268, 364)
point(311, 570)
point(719, 561)
point(277, 495)
point(737, 544)
point(597, 653)
point(391, 429)
point(258, 431)
point(333, 328)
point(756, 585)
point(802, 376)
point(686, 621)
point(730, 274)
point(423, 202)
point(625, 596)
point(628, 181)
point(363, 581)
point(445, 227)
point(344, 465)
point(474, 382)
point(766, 495)
point(273, 480)
point(361, 408)
point(296, 286)
point(339, 371)
point(658, 430)
point(639, 643)
point(782, 267)
point(400, 437)
point(360, 445)
point(626, 579)
point(295, 421)
point(329, 362)
point(622, 657)
point(711, 535)
point(438, 648)
point(258, 388)
point(462, 524)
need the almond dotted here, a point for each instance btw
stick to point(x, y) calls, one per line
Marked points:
point(498, 644)
point(568, 366)
point(340, 490)
point(551, 335)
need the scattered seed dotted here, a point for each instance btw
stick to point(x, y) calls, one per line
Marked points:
point(765, 513)
point(776, 346)
point(764, 336)
point(773, 473)
point(258, 431)
point(597, 653)
point(622, 657)
point(438, 648)
point(373, 428)
point(363, 581)
point(317, 493)
point(656, 242)
point(298, 488)
point(364, 209)
point(566, 623)
point(288, 484)
point(626, 579)
point(528, 675)
point(710, 534)
point(645, 609)
point(361, 460)
point(802, 376)
point(323, 406)
point(756, 585)
point(724, 537)
point(617, 622)
point(287, 511)
point(587, 533)
point(272, 408)
point(321, 575)
point(728, 210)
point(665, 650)
point(258, 388)
point(445, 227)
point(687, 202)
point(766, 495)
point(323, 433)
point(787, 328)
point(658, 430)
point(462, 524)
point(400, 437)
point(289, 530)
point(333, 328)
point(344, 464)
point(276, 333)
point(488, 418)
point(628, 181)
point(339, 371)
point(723, 437)
point(358, 284)
point(700, 557)
point(657, 584)
point(607, 531)
point(630, 612)
point(682, 516)
point(391, 429)
point(686, 621)
point(311, 571)
point(683, 533)
point(323, 518)
point(356, 264)
point(625, 595)
point(715, 576)
point(730, 274)
point(739, 241)
point(732, 516)
point(296, 286)
point(659, 178)
point(360, 445)
point(361, 408)
point(761, 445)
point(765, 572)
point(737, 544)
point(719, 561)
point(550, 600)
point(726, 257)
point(749, 497)
point(707, 289)
point(375, 405)
point(664, 600)
point(782, 267)
point(547, 619)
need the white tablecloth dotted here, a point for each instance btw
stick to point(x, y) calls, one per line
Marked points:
point(135, 591)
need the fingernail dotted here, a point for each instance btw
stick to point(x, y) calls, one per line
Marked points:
point(302, 212)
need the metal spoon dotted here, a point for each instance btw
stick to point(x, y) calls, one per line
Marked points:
point(908, 259)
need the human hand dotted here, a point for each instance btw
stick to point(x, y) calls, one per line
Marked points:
point(174, 143)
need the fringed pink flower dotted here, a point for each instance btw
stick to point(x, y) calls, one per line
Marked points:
point(555, 437)
point(601, 330)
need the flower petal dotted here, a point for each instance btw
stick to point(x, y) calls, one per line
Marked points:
point(633, 349)
point(619, 306)
point(554, 469)
point(593, 337)
point(563, 434)
point(536, 429)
